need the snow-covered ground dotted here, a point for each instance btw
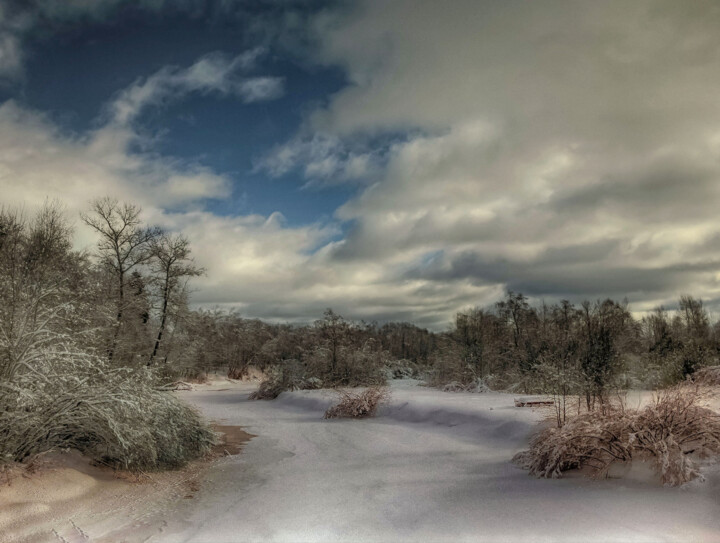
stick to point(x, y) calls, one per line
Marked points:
point(432, 466)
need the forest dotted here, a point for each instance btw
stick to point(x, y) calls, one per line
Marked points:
point(92, 342)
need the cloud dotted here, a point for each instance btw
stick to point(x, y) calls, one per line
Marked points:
point(10, 55)
point(324, 160)
point(257, 264)
point(260, 89)
point(37, 160)
point(12, 26)
point(558, 149)
point(213, 72)
point(590, 271)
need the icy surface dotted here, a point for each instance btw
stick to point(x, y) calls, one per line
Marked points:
point(432, 466)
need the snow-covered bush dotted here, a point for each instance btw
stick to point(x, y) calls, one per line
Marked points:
point(118, 415)
point(401, 369)
point(271, 387)
point(358, 404)
point(289, 376)
point(668, 431)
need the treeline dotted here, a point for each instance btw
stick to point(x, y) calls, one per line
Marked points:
point(332, 350)
point(588, 349)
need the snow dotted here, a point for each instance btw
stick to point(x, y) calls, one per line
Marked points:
point(432, 466)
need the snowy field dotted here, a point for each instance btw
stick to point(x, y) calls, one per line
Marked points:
point(432, 466)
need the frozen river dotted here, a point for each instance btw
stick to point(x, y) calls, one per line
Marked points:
point(432, 466)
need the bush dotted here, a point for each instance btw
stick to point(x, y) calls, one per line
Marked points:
point(235, 372)
point(116, 415)
point(289, 376)
point(352, 367)
point(401, 369)
point(709, 376)
point(271, 387)
point(358, 404)
point(667, 432)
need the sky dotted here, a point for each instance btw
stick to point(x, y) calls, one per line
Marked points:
point(392, 160)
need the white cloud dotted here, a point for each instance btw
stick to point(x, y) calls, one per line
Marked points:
point(260, 89)
point(324, 160)
point(255, 262)
point(37, 161)
point(560, 149)
point(214, 72)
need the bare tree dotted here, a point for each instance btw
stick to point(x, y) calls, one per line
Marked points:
point(172, 267)
point(124, 244)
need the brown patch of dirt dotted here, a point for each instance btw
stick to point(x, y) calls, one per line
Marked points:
point(232, 440)
point(66, 495)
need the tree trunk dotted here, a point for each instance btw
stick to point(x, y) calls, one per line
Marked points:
point(118, 320)
point(166, 294)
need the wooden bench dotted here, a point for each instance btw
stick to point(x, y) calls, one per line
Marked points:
point(523, 402)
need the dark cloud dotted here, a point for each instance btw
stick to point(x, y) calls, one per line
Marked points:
point(573, 272)
point(674, 187)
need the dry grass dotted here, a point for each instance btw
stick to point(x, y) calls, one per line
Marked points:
point(673, 431)
point(358, 405)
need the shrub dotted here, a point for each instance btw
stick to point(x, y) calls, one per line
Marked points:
point(289, 376)
point(349, 367)
point(667, 431)
point(271, 387)
point(709, 376)
point(235, 372)
point(401, 369)
point(117, 415)
point(358, 404)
